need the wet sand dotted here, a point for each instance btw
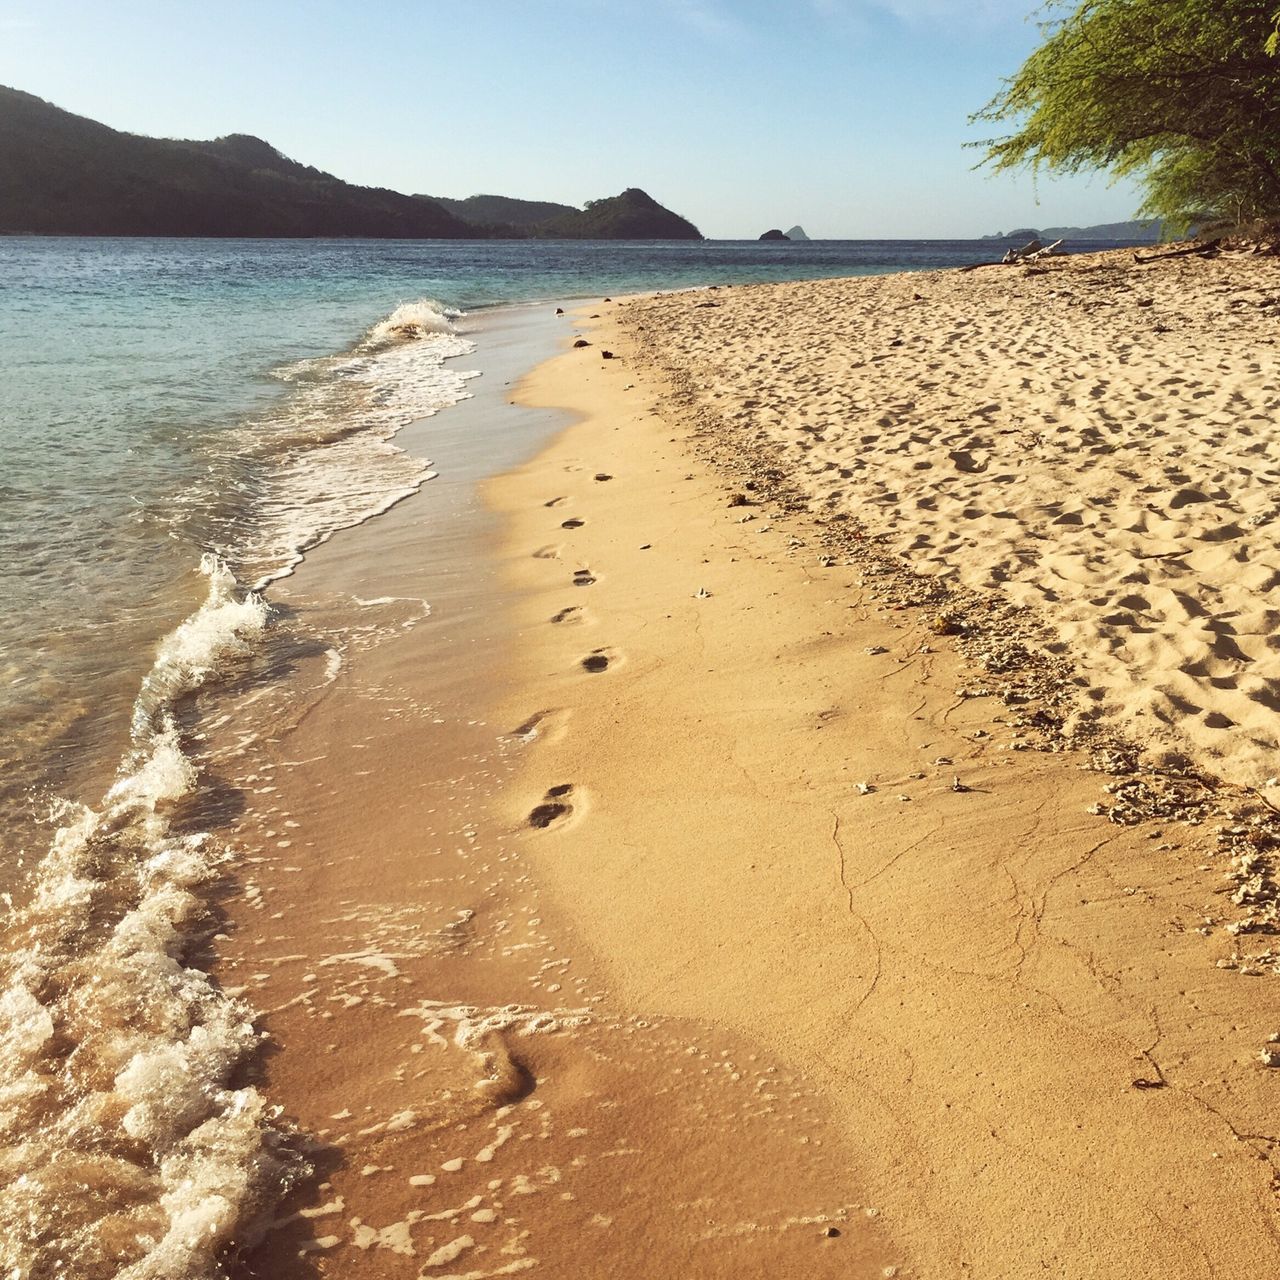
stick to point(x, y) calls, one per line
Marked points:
point(718, 881)
point(454, 1062)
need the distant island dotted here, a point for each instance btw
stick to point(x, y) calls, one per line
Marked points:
point(63, 174)
point(1140, 231)
point(796, 233)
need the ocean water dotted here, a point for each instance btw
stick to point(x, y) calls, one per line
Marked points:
point(181, 422)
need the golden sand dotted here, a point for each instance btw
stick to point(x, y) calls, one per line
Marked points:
point(471, 1094)
point(785, 831)
point(1042, 1036)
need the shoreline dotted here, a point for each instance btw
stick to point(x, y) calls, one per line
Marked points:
point(464, 1083)
point(641, 864)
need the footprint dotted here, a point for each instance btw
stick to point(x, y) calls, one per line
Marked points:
point(570, 614)
point(549, 725)
point(555, 502)
point(583, 577)
point(575, 523)
point(596, 662)
point(527, 731)
point(602, 475)
point(547, 553)
point(555, 807)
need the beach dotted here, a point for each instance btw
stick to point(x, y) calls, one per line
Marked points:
point(789, 794)
point(640, 690)
point(791, 906)
point(455, 1068)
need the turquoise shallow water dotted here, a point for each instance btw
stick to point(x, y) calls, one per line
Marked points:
point(181, 421)
point(145, 421)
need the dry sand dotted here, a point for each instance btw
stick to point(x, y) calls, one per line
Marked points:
point(1092, 438)
point(1041, 1036)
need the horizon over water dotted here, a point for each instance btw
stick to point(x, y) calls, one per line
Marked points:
point(183, 420)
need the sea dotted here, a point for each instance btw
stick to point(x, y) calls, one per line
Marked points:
point(181, 422)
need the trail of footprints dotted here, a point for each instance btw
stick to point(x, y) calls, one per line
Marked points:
point(557, 805)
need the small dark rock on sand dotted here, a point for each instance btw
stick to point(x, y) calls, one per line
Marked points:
point(581, 342)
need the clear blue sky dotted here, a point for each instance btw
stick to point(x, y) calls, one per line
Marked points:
point(848, 116)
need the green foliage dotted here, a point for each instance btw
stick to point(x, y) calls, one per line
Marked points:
point(518, 216)
point(1181, 94)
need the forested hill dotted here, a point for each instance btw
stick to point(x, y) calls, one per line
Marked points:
point(1148, 229)
point(633, 215)
point(502, 211)
point(63, 174)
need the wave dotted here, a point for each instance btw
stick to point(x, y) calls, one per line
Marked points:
point(410, 321)
point(126, 1152)
point(325, 459)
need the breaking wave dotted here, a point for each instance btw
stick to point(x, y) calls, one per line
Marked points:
point(127, 1149)
point(325, 458)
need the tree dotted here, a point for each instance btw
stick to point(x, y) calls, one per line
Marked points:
point(1182, 94)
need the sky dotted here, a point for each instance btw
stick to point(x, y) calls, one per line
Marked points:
point(849, 117)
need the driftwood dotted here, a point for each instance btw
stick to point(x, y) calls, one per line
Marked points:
point(1030, 252)
point(1203, 250)
point(1017, 257)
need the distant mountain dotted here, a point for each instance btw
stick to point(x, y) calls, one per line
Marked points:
point(1136, 232)
point(797, 233)
point(773, 234)
point(63, 174)
point(633, 215)
point(502, 211)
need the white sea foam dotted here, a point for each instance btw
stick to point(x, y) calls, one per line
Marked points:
point(412, 320)
point(126, 1151)
point(325, 459)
